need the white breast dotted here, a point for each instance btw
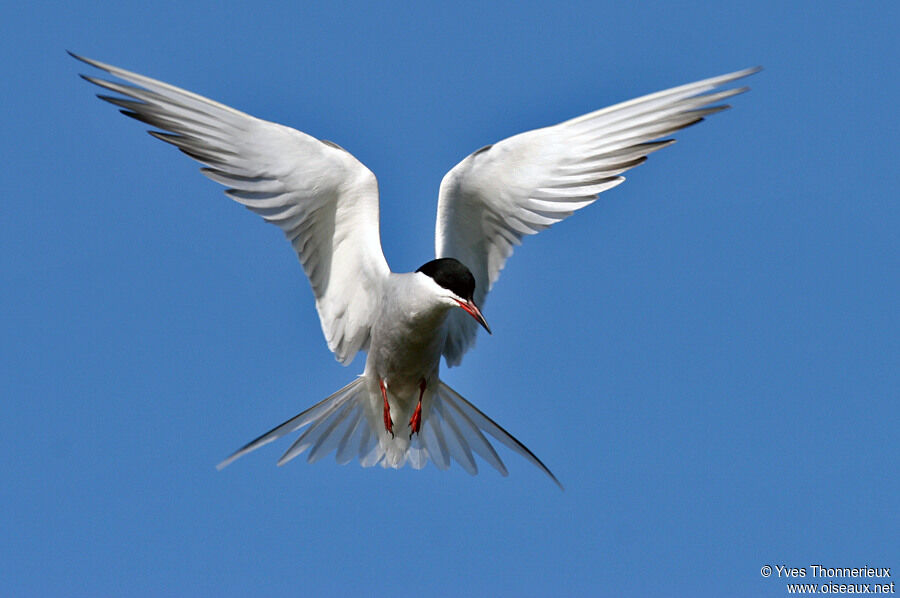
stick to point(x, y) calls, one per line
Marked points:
point(409, 335)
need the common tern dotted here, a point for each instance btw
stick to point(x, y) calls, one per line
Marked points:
point(326, 203)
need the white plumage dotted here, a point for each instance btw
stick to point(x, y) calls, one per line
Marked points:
point(326, 203)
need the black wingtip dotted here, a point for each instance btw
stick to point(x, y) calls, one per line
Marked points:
point(86, 60)
point(79, 57)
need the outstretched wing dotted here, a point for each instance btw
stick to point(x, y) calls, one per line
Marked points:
point(523, 184)
point(323, 198)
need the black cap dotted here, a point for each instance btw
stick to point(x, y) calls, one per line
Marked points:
point(450, 274)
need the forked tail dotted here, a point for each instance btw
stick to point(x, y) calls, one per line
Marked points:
point(452, 430)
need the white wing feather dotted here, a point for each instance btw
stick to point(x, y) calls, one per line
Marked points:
point(322, 198)
point(523, 184)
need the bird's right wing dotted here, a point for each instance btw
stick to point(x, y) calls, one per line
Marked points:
point(523, 184)
point(322, 198)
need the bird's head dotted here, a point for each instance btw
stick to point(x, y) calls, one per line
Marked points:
point(457, 285)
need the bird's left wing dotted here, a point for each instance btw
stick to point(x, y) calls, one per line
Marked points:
point(523, 184)
point(323, 199)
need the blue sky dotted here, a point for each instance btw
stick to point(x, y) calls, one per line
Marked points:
point(707, 358)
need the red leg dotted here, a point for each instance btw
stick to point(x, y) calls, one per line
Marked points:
point(388, 422)
point(416, 420)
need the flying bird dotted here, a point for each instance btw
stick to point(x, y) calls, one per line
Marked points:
point(398, 411)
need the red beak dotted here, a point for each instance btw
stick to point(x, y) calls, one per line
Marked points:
point(473, 311)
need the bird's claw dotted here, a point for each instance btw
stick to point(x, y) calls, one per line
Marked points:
point(388, 422)
point(415, 421)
